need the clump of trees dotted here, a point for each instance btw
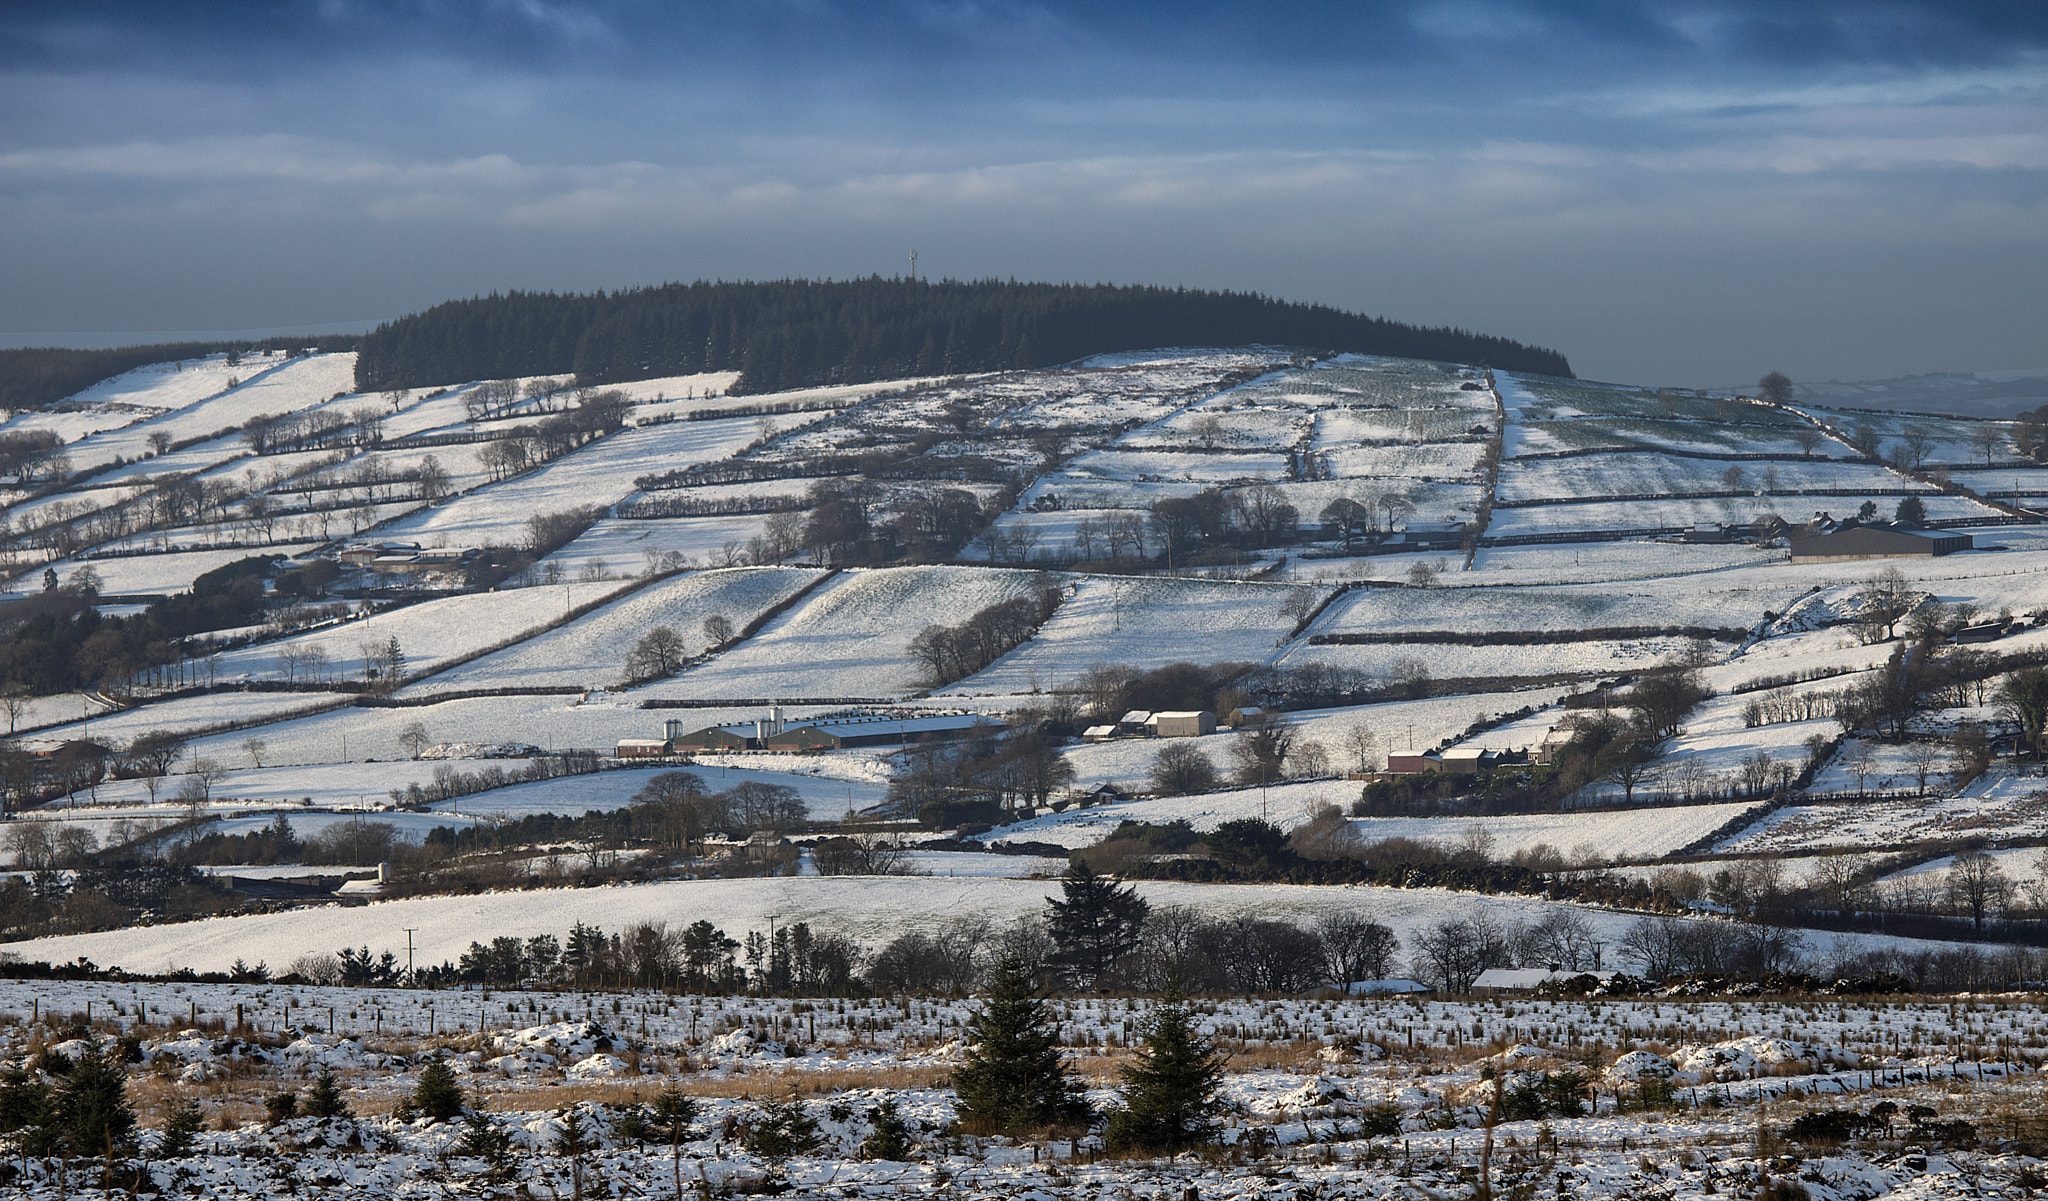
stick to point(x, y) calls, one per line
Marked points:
point(951, 653)
point(798, 333)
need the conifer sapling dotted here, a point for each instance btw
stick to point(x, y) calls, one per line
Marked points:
point(1012, 1077)
point(1169, 1092)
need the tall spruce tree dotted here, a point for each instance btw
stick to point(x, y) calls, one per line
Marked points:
point(1012, 1077)
point(1094, 924)
point(1169, 1094)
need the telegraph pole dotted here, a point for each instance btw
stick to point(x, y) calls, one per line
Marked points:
point(408, 953)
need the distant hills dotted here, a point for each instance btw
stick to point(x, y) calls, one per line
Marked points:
point(799, 333)
point(2000, 394)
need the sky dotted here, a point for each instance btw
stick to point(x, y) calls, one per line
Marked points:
point(1686, 192)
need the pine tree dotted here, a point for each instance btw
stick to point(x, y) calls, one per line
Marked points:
point(573, 1140)
point(1094, 924)
point(1012, 1076)
point(1169, 1093)
point(437, 1095)
point(281, 1107)
point(891, 1139)
point(92, 1105)
point(324, 1099)
point(671, 1114)
point(181, 1125)
point(484, 1139)
point(784, 1129)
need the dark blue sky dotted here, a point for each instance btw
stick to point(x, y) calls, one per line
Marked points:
point(1680, 192)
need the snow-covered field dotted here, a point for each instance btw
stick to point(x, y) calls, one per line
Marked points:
point(1147, 621)
point(850, 637)
point(870, 909)
point(430, 633)
point(628, 547)
point(592, 652)
point(601, 473)
point(533, 1062)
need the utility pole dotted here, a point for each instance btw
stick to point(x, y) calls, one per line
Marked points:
point(408, 953)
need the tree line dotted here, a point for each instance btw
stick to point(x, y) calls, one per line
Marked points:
point(797, 333)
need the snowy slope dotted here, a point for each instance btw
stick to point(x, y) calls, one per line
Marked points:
point(851, 637)
point(591, 652)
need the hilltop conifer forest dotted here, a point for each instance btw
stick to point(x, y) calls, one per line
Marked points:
point(797, 333)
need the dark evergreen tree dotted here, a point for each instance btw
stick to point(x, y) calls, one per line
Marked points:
point(281, 1107)
point(573, 1140)
point(1012, 1077)
point(670, 1117)
point(891, 1139)
point(92, 1105)
point(1168, 1101)
point(25, 1101)
point(1094, 924)
point(324, 1099)
point(483, 1138)
point(437, 1095)
point(783, 1129)
point(182, 1126)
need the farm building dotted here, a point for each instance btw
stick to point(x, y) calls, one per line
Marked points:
point(643, 748)
point(1244, 715)
point(1397, 987)
point(1499, 981)
point(1184, 724)
point(839, 733)
point(1413, 765)
point(1877, 542)
point(1471, 760)
point(1098, 734)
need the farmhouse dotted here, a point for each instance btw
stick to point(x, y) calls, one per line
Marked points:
point(1876, 542)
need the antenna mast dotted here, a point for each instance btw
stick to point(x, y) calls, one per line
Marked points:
point(913, 266)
